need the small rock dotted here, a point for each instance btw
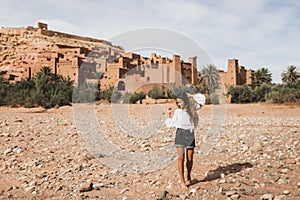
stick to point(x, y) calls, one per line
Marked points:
point(267, 197)
point(286, 192)
point(237, 184)
point(29, 189)
point(235, 197)
point(284, 171)
point(298, 185)
point(230, 193)
point(7, 151)
point(248, 191)
point(162, 195)
point(169, 196)
point(124, 190)
point(290, 161)
point(193, 191)
point(98, 186)
point(280, 197)
point(183, 196)
point(222, 181)
point(281, 181)
point(86, 187)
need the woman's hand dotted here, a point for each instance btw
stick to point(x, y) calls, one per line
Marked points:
point(169, 112)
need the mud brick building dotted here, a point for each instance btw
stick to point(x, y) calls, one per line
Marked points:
point(235, 75)
point(25, 51)
point(133, 73)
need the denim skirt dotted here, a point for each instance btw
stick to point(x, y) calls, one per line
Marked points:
point(185, 138)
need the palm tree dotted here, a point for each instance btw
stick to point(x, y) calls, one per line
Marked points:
point(46, 71)
point(210, 77)
point(261, 76)
point(291, 75)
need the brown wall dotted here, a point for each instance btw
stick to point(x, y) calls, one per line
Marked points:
point(136, 71)
point(235, 75)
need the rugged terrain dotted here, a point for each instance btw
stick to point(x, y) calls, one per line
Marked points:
point(44, 154)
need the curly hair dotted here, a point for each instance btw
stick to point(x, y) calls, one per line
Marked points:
point(190, 107)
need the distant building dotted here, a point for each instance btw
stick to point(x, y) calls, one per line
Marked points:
point(235, 75)
point(134, 73)
point(25, 51)
point(66, 61)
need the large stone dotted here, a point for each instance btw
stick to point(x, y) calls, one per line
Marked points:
point(85, 187)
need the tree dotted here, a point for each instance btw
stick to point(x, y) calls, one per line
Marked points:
point(291, 75)
point(210, 77)
point(261, 76)
point(52, 89)
point(3, 90)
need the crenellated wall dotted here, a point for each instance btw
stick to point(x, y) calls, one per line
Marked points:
point(138, 73)
point(235, 75)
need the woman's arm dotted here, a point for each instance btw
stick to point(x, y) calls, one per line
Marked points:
point(171, 122)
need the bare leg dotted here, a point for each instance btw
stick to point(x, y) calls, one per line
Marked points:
point(180, 152)
point(189, 165)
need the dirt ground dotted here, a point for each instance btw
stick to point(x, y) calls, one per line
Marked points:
point(249, 151)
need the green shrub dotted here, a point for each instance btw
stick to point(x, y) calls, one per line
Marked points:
point(241, 94)
point(284, 93)
point(137, 97)
point(156, 93)
point(260, 92)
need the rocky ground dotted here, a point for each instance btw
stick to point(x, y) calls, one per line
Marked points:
point(49, 154)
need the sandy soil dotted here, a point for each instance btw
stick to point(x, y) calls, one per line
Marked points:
point(243, 152)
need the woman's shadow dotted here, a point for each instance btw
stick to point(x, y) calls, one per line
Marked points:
point(216, 173)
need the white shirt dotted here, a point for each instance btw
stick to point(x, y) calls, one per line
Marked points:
point(181, 119)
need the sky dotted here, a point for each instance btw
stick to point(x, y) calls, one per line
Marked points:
point(259, 33)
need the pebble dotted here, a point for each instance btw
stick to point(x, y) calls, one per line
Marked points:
point(85, 187)
point(280, 197)
point(193, 191)
point(230, 193)
point(267, 197)
point(124, 190)
point(235, 197)
point(286, 192)
point(248, 191)
point(162, 195)
point(7, 151)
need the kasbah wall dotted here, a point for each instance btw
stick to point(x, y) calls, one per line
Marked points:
point(126, 71)
point(235, 75)
point(134, 73)
point(25, 51)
